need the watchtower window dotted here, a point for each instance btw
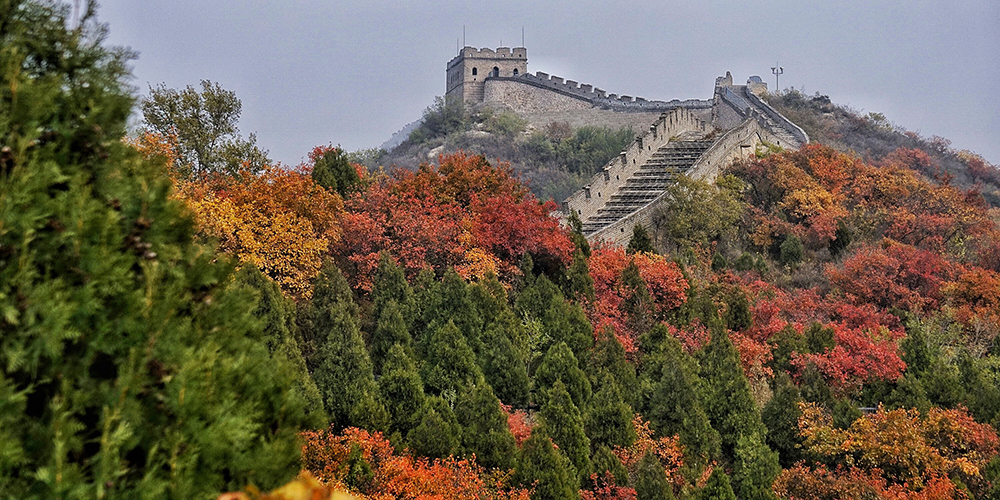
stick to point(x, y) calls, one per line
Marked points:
point(475, 71)
point(496, 71)
point(515, 72)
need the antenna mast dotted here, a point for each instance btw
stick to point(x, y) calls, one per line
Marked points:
point(777, 70)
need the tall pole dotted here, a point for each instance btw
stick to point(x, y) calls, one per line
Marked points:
point(463, 35)
point(522, 36)
point(777, 70)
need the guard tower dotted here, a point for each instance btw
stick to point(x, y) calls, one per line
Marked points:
point(468, 71)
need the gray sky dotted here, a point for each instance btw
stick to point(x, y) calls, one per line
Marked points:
point(352, 72)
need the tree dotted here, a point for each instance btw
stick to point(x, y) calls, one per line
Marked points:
point(640, 241)
point(608, 419)
point(205, 124)
point(564, 423)
point(651, 483)
point(340, 365)
point(728, 401)
point(559, 363)
point(504, 365)
point(781, 416)
point(449, 365)
point(390, 331)
point(401, 390)
point(542, 466)
point(390, 285)
point(755, 469)
point(718, 487)
point(121, 336)
point(439, 434)
point(333, 170)
point(484, 428)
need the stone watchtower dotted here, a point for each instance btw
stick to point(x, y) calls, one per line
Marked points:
point(468, 71)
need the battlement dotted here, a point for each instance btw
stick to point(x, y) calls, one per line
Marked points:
point(516, 53)
point(601, 99)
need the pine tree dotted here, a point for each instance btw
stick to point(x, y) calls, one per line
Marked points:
point(608, 420)
point(755, 469)
point(449, 365)
point(490, 300)
point(559, 363)
point(609, 354)
point(640, 241)
point(566, 322)
point(536, 297)
point(451, 302)
point(121, 337)
point(728, 402)
point(334, 171)
point(673, 404)
point(604, 460)
point(484, 428)
point(781, 416)
point(638, 305)
point(504, 366)
point(651, 480)
point(276, 314)
point(401, 390)
point(542, 466)
point(718, 487)
point(390, 285)
point(341, 366)
point(579, 284)
point(390, 330)
point(564, 423)
point(438, 434)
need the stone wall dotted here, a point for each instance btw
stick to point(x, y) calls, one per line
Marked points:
point(587, 201)
point(468, 71)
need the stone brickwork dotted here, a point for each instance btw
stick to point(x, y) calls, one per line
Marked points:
point(467, 72)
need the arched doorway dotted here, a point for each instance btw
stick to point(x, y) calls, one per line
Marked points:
point(496, 71)
point(515, 72)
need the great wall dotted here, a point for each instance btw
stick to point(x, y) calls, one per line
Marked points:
point(693, 137)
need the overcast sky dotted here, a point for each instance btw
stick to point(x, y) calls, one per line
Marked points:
point(352, 72)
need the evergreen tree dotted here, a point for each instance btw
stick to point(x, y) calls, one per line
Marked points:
point(334, 171)
point(738, 316)
point(563, 422)
point(559, 363)
point(450, 365)
point(576, 234)
point(673, 404)
point(579, 283)
point(651, 480)
point(390, 285)
point(451, 302)
point(781, 416)
point(121, 337)
point(549, 471)
point(536, 297)
point(728, 401)
point(277, 314)
point(755, 469)
point(718, 487)
point(638, 304)
point(907, 393)
point(791, 250)
point(484, 428)
point(783, 344)
point(490, 300)
point(504, 366)
point(438, 434)
point(608, 420)
point(609, 354)
point(640, 241)
point(401, 390)
point(566, 322)
point(604, 461)
point(341, 367)
point(390, 330)
point(982, 396)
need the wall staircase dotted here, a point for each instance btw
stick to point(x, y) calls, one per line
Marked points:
point(671, 160)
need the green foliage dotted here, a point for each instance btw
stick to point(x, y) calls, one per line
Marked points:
point(738, 316)
point(590, 148)
point(719, 262)
point(651, 480)
point(791, 250)
point(781, 416)
point(819, 339)
point(390, 331)
point(579, 282)
point(130, 360)
point(449, 365)
point(670, 392)
point(566, 322)
point(728, 401)
point(604, 460)
point(638, 306)
point(402, 390)
point(390, 285)
point(504, 364)
point(576, 234)
point(506, 123)
point(449, 300)
point(334, 172)
point(608, 355)
point(608, 420)
point(559, 363)
point(439, 434)
point(841, 239)
point(744, 262)
point(484, 428)
point(443, 118)
point(204, 123)
point(640, 241)
point(340, 365)
point(755, 469)
point(696, 213)
point(541, 465)
point(718, 487)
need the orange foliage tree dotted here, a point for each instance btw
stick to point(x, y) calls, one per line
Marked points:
point(667, 449)
point(899, 447)
point(464, 213)
point(663, 279)
point(364, 463)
